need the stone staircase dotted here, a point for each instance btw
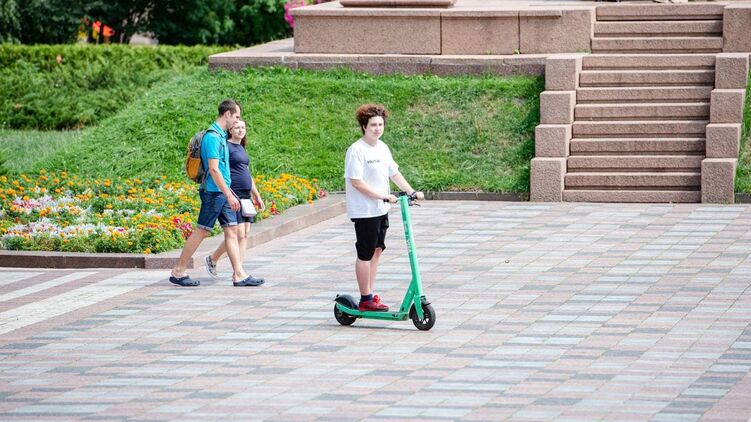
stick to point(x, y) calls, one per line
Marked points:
point(643, 104)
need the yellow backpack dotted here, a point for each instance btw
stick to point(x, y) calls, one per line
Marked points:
point(193, 165)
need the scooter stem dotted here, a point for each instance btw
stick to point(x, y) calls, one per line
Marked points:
point(414, 266)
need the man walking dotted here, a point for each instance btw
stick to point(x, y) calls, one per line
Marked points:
point(217, 200)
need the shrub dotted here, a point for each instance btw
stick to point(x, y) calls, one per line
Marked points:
point(73, 86)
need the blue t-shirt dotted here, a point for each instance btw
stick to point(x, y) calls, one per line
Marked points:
point(238, 168)
point(214, 146)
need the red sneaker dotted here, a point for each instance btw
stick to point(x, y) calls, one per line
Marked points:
point(372, 305)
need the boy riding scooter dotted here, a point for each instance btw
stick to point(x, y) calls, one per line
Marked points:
point(368, 168)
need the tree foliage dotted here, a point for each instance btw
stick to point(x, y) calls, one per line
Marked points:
point(9, 24)
point(193, 22)
point(188, 22)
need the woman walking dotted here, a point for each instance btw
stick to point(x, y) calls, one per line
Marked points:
point(243, 187)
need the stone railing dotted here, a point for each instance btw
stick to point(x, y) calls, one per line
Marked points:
point(554, 133)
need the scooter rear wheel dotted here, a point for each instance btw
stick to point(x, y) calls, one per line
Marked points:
point(428, 319)
point(342, 318)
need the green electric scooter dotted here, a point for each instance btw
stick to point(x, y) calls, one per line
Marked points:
point(414, 305)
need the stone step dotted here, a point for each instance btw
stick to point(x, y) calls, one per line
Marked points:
point(642, 196)
point(636, 146)
point(666, 12)
point(647, 61)
point(588, 95)
point(640, 129)
point(646, 180)
point(657, 44)
point(658, 28)
point(635, 163)
point(588, 78)
point(642, 111)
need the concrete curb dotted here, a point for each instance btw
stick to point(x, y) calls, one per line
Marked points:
point(478, 196)
point(281, 53)
point(292, 220)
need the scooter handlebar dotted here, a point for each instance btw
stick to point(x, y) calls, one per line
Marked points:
point(412, 197)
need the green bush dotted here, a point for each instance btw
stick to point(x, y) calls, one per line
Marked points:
point(73, 86)
point(456, 133)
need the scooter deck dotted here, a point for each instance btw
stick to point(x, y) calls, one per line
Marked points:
point(390, 316)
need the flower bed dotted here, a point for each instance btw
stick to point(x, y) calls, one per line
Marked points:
point(61, 212)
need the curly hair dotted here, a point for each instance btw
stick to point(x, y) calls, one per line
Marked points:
point(367, 111)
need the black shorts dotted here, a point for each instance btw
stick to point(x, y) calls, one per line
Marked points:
point(371, 234)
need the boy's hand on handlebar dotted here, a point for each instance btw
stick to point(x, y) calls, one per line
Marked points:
point(391, 199)
point(419, 196)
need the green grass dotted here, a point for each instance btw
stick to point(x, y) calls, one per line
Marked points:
point(457, 133)
point(26, 150)
point(53, 87)
point(743, 175)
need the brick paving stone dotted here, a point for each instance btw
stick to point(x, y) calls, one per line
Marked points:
point(545, 312)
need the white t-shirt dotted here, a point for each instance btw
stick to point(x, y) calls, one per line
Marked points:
point(373, 165)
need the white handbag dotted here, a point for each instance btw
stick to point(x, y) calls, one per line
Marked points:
point(247, 209)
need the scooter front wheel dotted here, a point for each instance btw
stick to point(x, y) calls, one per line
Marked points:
point(428, 319)
point(342, 318)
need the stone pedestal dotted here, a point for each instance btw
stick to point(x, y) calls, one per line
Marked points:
point(723, 140)
point(726, 105)
point(731, 70)
point(736, 28)
point(718, 180)
point(397, 3)
point(546, 179)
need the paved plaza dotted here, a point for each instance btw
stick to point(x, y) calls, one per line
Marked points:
point(569, 312)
